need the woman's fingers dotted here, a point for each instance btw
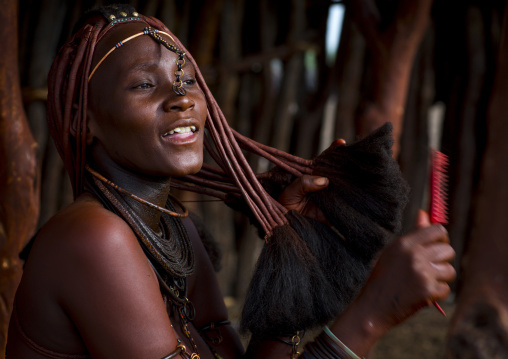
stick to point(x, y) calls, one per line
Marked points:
point(440, 252)
point(444, 272)
point(339, 142)
point(428, 235)
point(441, 291)
point(313, 183)
point(422, 219)
point(294, 196)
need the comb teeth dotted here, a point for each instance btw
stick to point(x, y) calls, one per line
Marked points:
point(438, 187)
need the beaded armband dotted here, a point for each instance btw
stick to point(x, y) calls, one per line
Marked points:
point(327, 345)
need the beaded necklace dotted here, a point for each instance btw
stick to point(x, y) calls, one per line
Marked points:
point(139, 199)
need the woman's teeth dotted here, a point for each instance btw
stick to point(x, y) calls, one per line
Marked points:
point(181, 130)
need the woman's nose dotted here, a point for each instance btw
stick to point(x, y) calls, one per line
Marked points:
point(176, 102)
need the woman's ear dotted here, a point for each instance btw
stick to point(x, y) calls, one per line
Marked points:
point(89, 136)
point(74, 125)
point(91, 125)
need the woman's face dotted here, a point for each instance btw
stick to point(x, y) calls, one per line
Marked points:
point(135, 117)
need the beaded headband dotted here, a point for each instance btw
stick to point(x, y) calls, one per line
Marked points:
point(155, 34)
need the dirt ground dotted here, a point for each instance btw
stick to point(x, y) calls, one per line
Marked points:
point(420, 337)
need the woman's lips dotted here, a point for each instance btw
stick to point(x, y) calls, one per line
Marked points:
point(181, 133)
point(181, 130)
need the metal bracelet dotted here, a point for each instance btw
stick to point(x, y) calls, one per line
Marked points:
point(180, 349)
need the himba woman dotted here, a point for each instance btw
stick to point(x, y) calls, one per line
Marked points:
point(123, 273)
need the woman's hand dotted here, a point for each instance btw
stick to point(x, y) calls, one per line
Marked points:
point(294, 197)
point(411, 273)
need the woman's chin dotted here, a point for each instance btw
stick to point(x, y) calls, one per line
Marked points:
point(187, 169)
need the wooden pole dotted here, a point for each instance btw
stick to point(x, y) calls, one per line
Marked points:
point(479, 327)
point(19, 170)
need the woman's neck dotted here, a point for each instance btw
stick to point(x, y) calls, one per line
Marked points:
point(152, 189)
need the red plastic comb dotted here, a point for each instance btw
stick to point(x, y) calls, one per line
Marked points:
point(438, 195)
point(438, 184)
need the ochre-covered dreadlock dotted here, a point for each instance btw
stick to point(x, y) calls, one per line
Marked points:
point(294, 287)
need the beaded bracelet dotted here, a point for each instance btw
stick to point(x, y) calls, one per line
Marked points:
point(328, 346)
point(339, 343)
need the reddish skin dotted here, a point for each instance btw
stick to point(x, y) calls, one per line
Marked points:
point(88, 283)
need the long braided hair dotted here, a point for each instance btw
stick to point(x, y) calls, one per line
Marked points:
point(294, 286)
point(67, 119)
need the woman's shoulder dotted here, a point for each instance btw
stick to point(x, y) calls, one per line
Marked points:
point(84, 227)
point(85, 246)
point(82, 238)
point(85, 219)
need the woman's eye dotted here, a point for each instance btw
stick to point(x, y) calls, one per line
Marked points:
point(189, 81)
point(143, 86)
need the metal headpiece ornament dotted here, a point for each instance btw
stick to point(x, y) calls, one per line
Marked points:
point(122, 16)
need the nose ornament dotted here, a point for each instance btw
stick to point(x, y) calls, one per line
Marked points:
point(180, 61)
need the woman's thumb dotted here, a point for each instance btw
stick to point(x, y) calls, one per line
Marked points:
point(422, 220)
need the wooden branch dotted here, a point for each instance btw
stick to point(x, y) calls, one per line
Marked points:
point(414, 139)
point(479, 327)
point(350, 67)
point(19, 170)
point(31, 94)
point(368, 19)
point(207, 28)
point(463, 138)
point(231, 44)
point(392, 50)
point(291, 81)
point(249, 62)
point(261, 124)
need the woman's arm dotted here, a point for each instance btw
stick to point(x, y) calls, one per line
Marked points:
point(109, 289)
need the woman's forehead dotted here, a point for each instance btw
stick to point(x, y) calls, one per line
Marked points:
point(120, 33)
